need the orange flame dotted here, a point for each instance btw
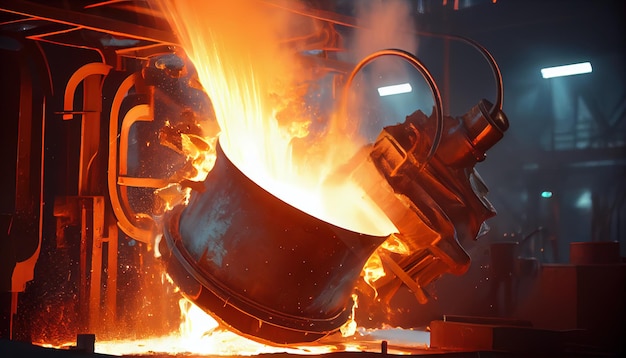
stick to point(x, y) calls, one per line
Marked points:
point(199, 333)
point(374, 269)
point(254, 83)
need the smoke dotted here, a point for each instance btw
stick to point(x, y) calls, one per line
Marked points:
point(249, 60)
point(382, 25)
point(232, 42)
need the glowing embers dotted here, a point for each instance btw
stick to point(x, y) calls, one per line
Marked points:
point(198, 333)
point(262, 267)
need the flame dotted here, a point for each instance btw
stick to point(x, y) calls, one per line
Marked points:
point(200, 152)
point(373, 270)
point(350, 327)
point(256, 86)
point(395, 244)
point(257, 90)
point(199, 333)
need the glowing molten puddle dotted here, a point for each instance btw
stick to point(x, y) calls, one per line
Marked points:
point(200, 334)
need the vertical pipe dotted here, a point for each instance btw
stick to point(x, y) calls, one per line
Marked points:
point(97, 220)
point(82, 289)
point(110, 299)
point(90, 131)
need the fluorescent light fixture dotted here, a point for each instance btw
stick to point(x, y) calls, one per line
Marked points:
point(395, 89)
point(566, 70)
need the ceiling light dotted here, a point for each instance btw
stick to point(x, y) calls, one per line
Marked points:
point(566, 70)
point(394, 89)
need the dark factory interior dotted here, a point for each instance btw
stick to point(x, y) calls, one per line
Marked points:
point(242, 160)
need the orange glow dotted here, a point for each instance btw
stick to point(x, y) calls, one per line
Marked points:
point(172, 195)
point(199, 333)
point(373, 270)
point(349, 329)
point(255, 84)
point(395, 244)
point(201, 154)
